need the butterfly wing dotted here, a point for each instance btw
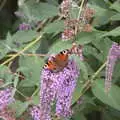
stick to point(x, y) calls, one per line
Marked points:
point(61, 59)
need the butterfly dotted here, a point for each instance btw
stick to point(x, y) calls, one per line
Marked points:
point(57, 62)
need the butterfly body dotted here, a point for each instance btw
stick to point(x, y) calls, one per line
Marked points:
point(57, 62)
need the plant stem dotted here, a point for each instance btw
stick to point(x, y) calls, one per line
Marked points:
point(98, 71)
point(79, 13)
point(21, 93)
point(81, 6)
point(28, 54)
point(87, 84)
point(35, 92)
point(24, 49)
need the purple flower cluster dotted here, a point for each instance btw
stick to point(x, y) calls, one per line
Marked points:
point(58, 86)
point(24, 26)
point(114, 54)
point(5, 98)
point(38, 114)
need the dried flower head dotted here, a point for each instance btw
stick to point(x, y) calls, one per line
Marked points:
point(114, 54)
point(71, 23)
point(87, 28)
point(5, 97)
point(73, 26)
point(58, 86)
point(24, 26)
point(65, 8)
point(77, 50)
point(68, 34)
point(7, 114)
point(87, 13)
point(85, 17)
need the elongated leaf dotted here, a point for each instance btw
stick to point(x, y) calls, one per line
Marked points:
point(39, 11)
point(33, 67)
point(6, 75)
point(116, 6)
point(102, 15)
point(79, 116)
point(16, 81)
point(103, 45)
point(57, 26)
point(85, 38)
point(115, 32)
point(77, 91)
point(112, 98)
point(24, 36)
point(81, 65)
point(115, 17)
point(19, 107)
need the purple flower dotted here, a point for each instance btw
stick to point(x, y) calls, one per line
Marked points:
point(38, 114)
point(114, 54)
point(5, 98)
point(64, 97)
point(24, 26)
point(58, 86)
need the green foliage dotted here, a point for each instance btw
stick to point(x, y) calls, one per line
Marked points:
point(112, 98)
point(19, 107)
point(31, 67)
point(58, 27)
point(115, 32)
point(24, 36)
point(24, 71)
point(34, 11)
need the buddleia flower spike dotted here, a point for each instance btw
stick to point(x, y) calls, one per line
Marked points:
point(114, 54)
point(58, 86)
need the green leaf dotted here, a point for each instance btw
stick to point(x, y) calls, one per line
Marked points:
point(115, 17)
point(24, 36)
point(6, 45)
point(6, 75)
point(33, 66)
point(56, 26)
point(19, 107)
point(77, 92)
point(115, 32)
point(99, 3)
point(38, 11)
point(102, 15)
point(85, 38)
point(35, 100)
point(3, 49)
point(74, 12)
point(79, 116)
point(103, 45)
point(107, 115)
point(16, 80)
point(82, 66)
point(116, 6)
point(112, 98)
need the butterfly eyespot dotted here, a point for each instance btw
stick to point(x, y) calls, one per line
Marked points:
point(64, 51)
point(45, 66)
